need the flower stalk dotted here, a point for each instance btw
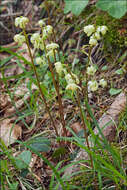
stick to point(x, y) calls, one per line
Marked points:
point(56, 85)
point(38, 82)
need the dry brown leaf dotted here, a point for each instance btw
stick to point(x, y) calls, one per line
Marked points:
point(9, 132)
point(4, 100)
point(76, 127)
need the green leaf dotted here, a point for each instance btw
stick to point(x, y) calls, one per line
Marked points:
point(40, 144)
point(75, 6)
point(119, 71)
point(114, 91)
point(116, 8)
point(23, 160)
point(104, 68)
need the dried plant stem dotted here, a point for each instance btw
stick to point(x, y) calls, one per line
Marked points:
point(47, 9)
point(38, 83)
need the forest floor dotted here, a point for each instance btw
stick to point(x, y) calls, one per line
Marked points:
point(22, 113)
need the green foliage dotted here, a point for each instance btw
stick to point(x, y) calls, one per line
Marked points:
point(114, 91)
point(119, 71)
point(115, 8)
point(40, 144)
point(23, 160)
point(76, 7)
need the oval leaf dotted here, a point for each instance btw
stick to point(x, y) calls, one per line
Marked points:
point(75, 6)
point(114, 91)
point(40, 144)
point(115, 8)
point(23, 160)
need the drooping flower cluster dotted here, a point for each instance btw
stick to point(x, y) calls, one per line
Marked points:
point(37, 39)
point(72, 82)
point(21, 22)
point(93, 84)
point(95, 33)
point(19, 38)
point(37, 42)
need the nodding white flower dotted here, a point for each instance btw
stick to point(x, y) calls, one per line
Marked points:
point(97, 35)
point(71, 78)
point(52, 46)
point(19, 38)
point(59, 67)
point(103, 83)
point(93, 41)
point(91, 70)
point(39, 60)
point(21, 21)
point(72, 86)
point(37, 41)
point(17, 21)
point(68, 78)
point(102, 29)
point(51, 53)
point(89, 29)
point(41, 23)
point(47, 31)
point(93, 85)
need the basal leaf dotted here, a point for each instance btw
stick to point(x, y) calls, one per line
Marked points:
point(40, 144)
point(23, 160)
point(114, 91)
point(116, 8)
point(75, 6)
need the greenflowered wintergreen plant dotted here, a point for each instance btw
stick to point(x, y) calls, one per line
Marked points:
point(47, 31)
point(21, 22)
point(59, 67)
point(95, 33)
point(39, 60)
point(52, 46)
point(19, 38)
point(37, 41)
point(91, 70)
point(93, 85)
point(89, 29)
point(41, 23)
point(103, 83)
point(93, 41)
point(102, 30)
point(38, 44)
point(72, 86)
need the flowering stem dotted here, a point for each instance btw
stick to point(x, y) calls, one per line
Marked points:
point(56, 85)
point(84, 126)
point(89, 53)
point(38, 82)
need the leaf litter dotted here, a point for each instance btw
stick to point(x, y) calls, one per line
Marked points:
point(10, 131)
